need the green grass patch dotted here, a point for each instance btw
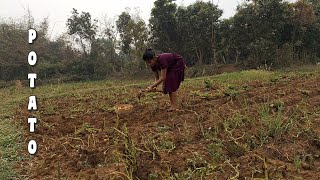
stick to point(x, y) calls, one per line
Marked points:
point(231, 78)
point(9, 147)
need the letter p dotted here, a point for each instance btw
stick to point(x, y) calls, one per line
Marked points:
point(32, 35)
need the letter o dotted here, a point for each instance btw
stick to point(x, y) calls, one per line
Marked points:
point(32, 147)
point(32, 58)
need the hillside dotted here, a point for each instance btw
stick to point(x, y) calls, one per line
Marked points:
point(248, 124)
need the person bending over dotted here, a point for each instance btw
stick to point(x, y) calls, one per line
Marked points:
point(171, 68)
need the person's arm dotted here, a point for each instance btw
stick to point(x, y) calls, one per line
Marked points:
point(160, 79)
point(156, 76)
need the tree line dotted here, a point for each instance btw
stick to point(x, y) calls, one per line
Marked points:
point(273, 33)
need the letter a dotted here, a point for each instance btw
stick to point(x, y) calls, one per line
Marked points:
point(32, 103)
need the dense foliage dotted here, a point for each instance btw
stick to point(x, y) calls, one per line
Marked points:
point(272, 33)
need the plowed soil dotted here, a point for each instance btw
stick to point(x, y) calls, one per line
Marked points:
point(252, 130)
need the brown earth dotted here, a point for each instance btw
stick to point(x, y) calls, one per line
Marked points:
point(214, 135)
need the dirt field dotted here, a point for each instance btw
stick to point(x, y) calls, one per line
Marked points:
point(265, 129)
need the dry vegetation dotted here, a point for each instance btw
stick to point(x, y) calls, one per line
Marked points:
point(242, 125)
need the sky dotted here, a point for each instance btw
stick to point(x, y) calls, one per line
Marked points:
point(58, 11)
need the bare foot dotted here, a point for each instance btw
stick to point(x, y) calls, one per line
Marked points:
point(172, 109)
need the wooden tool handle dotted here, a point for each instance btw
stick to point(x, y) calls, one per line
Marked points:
point(150, 91)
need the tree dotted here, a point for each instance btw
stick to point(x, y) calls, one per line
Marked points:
point(226, 49)
point(81, 27)
point(261, 26)
point(305, 29)
point(133, 37)
point(84, 30)
point(125, 25)
point(194, 24)
point(140, 37)
point(109, 32)
point(163, 26)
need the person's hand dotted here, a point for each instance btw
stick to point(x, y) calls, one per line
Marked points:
point(148, 89)
point(151, 89)
point(154, 89)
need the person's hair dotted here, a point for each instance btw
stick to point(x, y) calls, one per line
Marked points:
point(148, 55)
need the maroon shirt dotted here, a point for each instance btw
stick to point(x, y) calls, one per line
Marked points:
point(174, 63)
point(169, 61)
